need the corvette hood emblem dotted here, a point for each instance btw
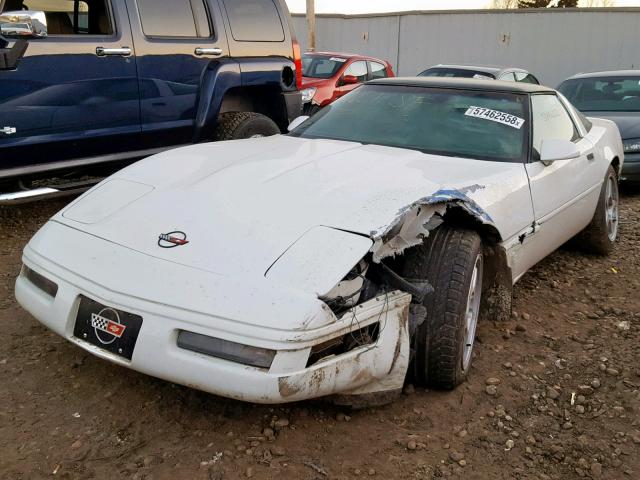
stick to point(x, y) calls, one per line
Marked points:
point(172, 239)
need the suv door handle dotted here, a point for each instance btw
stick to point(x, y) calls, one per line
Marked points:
point(208, 51)
point(103, 52)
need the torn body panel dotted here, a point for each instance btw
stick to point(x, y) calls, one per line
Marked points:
point(413, 223)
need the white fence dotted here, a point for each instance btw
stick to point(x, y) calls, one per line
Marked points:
point(552, 44)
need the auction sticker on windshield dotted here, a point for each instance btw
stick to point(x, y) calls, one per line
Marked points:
point(495, 116)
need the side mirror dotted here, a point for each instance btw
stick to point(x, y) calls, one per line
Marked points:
point(349, 80)
point(553, 150)
point(297, 122)
point(23, 23)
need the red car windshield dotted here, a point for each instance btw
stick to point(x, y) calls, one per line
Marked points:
point(321, 66)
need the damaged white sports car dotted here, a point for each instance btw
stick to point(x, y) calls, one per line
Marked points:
point(335, 260)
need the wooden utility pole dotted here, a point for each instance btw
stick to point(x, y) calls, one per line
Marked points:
point(311, 25)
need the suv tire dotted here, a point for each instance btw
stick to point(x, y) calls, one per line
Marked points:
point(239, 125)
point(451, 259)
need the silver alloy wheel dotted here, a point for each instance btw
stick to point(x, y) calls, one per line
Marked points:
point(611, 207)
point(472, 312)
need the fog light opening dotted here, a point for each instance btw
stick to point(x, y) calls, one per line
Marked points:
point(41, 282)
point(226, 350)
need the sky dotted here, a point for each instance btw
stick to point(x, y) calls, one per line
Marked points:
point(373, 6)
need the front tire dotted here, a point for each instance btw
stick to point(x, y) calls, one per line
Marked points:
point(601, 234)
point(239, 125)
point(451, 259)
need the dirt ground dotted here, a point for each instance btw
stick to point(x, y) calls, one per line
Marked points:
point(554, 394)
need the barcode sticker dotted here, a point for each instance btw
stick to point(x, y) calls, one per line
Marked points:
point(495, 116)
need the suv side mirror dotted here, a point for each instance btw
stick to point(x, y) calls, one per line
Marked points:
point(553, 150)
point(349, 80)
point(23, 23)
point(297, 122)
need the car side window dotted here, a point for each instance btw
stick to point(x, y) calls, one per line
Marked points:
point(174, 18)
point(550, 121)
point(378, 70)
point(524, 77)
point(358, 69)
point(585, 121)
point(69, 17)
point(508, 77)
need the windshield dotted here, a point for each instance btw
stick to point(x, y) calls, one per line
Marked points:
point(603, 94)
point(455, 72)
point(321, 66)
point(465, 123)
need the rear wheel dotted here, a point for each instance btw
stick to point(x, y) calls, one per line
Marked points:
point(239, 125)
point(601, 234)
point(451, 260)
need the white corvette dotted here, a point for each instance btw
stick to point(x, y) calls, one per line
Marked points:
point(335, 260)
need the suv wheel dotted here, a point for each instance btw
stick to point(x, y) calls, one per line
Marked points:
point(238, 125)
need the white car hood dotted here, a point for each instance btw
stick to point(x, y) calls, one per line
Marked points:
point(242, 204)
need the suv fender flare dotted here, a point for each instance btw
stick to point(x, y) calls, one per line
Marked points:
point(217, 78)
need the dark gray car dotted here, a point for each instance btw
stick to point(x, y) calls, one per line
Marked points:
point(615, 96)
point(509, 74)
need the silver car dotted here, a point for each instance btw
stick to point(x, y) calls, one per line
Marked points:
point(615, 96)
point(486, 72)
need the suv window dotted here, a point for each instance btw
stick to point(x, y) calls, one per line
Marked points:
point(550, 121)
point(378, 70)
point(358, 69)
point(254, 20)
point(92, 15)
point(174, 18)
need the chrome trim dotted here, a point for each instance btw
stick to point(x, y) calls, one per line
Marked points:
point(208, 51)
point(15, 197)
point(81, 162)
point(104, 52)
point(24, 23)
point(8, 130)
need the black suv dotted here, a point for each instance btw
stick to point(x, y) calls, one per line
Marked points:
point(90, 82)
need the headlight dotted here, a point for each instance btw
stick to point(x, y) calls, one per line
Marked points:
point(307, 94)
point(632, 145)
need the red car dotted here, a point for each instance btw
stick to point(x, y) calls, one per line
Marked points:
point(327, 76)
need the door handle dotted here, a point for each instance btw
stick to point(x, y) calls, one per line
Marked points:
point(208, 51)
point(122, 52)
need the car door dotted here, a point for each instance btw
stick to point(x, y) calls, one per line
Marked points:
point(176, 40)
point(565, 192)
point(74, 93)
point(358, 69)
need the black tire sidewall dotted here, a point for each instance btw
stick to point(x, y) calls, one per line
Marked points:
point(256, 125)
point(446, 260)
point(242, 125)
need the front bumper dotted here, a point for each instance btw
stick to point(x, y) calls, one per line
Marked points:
point(631, 168)
point(379, 366)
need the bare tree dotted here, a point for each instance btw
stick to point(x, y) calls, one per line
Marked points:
point(540, 3)
point(504, 4)
point(600, 3)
